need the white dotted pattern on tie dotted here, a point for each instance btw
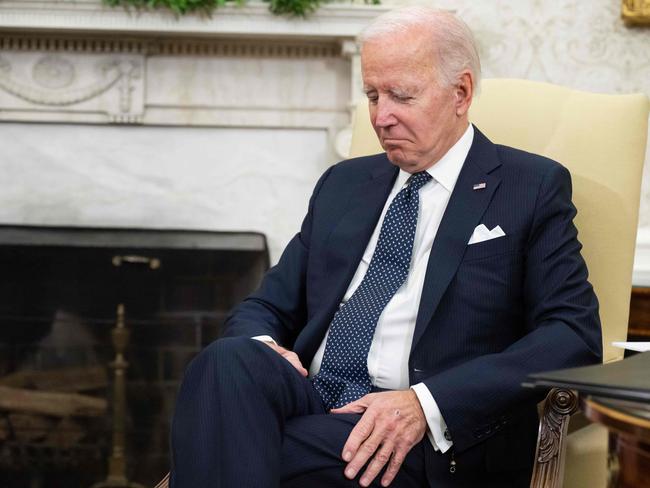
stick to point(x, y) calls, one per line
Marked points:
point(343, 375)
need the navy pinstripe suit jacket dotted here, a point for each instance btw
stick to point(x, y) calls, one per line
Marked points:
point(490, 314)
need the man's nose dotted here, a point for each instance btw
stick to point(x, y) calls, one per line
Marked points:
point(384, 115)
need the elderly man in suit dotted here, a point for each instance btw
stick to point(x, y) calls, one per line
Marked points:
point(388, 345)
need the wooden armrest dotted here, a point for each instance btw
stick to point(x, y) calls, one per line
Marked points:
point(548, 471)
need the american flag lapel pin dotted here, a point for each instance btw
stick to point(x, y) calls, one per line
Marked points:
point(479, 186)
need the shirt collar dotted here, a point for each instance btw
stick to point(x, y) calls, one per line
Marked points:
point(448, 167)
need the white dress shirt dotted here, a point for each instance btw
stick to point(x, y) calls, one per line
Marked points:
point(391, 343)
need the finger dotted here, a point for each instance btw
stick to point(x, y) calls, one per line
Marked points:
point(379, 460)
point(394, 465)
point(366, 450)
point(292, 357)
point(359, 433)
point(352, 407)
point(301, 369)
point(275, 347)
point(357, 406)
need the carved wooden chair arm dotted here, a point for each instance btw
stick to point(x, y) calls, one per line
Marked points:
point(548, 471)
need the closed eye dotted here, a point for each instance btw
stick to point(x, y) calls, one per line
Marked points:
point(372, 97)
point(399, 97)
point(402, 98)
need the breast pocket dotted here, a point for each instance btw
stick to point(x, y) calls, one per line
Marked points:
point(509, 244)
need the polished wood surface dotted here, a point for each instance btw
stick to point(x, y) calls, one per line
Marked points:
point(629, 426)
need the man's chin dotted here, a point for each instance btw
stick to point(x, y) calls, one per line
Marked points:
point(399, 159)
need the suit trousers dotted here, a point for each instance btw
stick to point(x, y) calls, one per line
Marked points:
point(245, 418)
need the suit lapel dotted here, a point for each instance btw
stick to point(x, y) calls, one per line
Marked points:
point(351, 234)
point(464, 211)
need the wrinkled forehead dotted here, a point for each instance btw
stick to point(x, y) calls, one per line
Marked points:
point(413, 44)
point(397, 57)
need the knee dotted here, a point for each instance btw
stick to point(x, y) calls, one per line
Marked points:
point(227, 352)
point(220, 364)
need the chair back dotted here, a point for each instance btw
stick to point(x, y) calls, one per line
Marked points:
point(601, 139)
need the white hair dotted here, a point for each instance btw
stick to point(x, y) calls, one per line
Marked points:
point(454, 43)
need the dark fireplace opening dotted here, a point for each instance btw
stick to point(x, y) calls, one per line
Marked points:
point(58, 305)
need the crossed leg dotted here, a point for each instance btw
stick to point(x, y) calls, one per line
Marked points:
point(246, 418)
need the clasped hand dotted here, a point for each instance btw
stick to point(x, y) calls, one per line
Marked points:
point(392, 423)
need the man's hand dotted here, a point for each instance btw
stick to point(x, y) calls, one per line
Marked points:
point(290, 356)
point(392, 423)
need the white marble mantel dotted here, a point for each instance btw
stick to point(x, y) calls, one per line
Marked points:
point(82, 61)
point(118, 118)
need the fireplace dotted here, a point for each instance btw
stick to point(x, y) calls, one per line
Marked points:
point(58, 302)
point(116, 118)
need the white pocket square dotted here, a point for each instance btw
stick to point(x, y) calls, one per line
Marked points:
point(481, 234)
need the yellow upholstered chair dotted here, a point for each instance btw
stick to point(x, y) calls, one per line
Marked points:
point(601, 140)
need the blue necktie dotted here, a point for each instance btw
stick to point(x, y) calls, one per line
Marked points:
point(343, 375)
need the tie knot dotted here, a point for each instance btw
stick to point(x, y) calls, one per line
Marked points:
point(417, 180)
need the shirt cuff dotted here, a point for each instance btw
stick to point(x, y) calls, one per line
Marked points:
point(267, 338)
point(437, 432)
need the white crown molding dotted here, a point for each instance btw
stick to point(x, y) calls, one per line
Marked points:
point(340, 21)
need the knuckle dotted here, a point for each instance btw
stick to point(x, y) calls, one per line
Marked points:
point(369, 447)
point(395, 462)
point(408, 438)
point(382, 457)
point(364, 429)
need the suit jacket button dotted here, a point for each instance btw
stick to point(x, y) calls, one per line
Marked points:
point(447, 435)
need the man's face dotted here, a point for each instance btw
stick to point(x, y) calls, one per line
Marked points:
point(414, 117)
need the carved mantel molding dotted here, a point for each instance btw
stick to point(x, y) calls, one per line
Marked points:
point(83, 62)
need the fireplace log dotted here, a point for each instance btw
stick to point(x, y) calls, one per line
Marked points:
point(63, 379)
point(51, 403)
point(67, 433)
point(30, 428)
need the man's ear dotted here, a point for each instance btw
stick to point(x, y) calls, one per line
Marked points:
point(464, 90)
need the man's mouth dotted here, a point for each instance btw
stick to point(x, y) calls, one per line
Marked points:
point(391, 141)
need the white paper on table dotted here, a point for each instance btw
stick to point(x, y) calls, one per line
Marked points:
point(633, 346)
